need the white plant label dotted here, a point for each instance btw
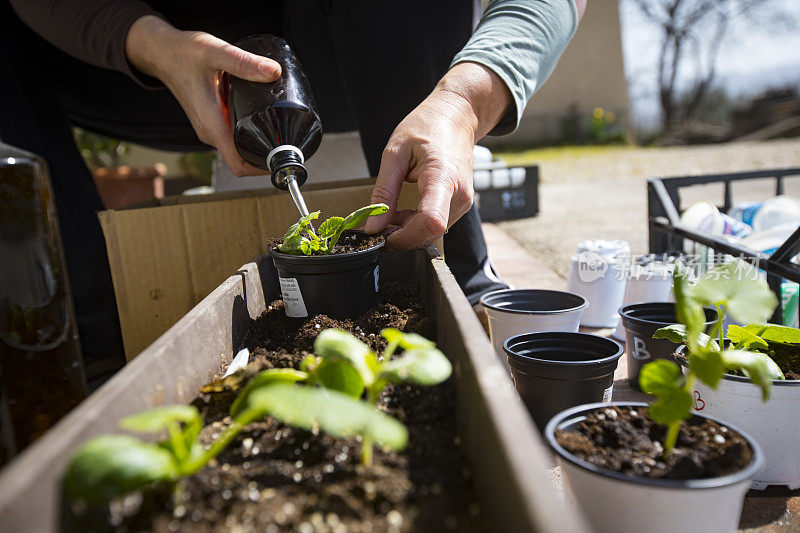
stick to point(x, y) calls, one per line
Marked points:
point(293, 298)
point(607, 394)
point(376, 274)
point(639, 349)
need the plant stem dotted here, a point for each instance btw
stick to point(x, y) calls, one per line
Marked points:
point(720, 321)
point(672, 437)
point(366, 451)
point(220, 444)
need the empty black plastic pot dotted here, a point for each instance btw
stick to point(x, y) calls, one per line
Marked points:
point(554, 371)
point(641, 321)
point(339, 286)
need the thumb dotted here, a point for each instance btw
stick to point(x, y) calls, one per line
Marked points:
point(242, 64)
point(394, 167)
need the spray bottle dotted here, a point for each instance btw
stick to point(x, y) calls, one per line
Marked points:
point(275, 125)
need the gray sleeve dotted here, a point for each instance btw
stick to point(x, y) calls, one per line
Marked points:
point(521, 41)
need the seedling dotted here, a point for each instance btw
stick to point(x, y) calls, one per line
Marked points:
point(113, 465)
point(301, 239)
point(345, 364)
point(735, 288)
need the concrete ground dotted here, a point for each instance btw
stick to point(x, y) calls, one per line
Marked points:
point(600, 192)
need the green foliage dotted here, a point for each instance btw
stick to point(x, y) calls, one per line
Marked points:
point(301, 239)
point(735, 287)
point(331, 411)
point(325, 395)
point(99, 151)
point(113, 465)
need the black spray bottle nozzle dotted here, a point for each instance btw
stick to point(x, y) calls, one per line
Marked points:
point(288, 172)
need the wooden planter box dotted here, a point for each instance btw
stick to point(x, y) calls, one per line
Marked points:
point(506, 452)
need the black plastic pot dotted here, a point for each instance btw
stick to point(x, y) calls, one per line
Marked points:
point(554, 371)
point(641, 321)
point(339, 286)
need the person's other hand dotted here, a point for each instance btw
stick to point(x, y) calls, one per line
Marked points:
point(433, 147)
point(189, 64)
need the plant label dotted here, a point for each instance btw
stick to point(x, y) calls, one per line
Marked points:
point(376, 274)
point(640, 349)
point(608, 393)
point(699, 404)
point(293, 298)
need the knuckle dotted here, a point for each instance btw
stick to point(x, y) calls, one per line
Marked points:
point(381, 193)
point(435, 223)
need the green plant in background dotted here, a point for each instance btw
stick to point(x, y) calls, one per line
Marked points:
point(324, 396)
point(99, 151)
point(734, 288)
point(301, 239)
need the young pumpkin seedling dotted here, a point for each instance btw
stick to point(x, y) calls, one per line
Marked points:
point(345, 364)
point(734, 287)
point(301, 239)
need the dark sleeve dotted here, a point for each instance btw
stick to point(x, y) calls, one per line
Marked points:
point(90, 30)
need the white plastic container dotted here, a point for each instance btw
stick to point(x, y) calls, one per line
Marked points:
point(774, 424)
point(647, 283)
point(616, 503)
point(598, 272)
point(515, 311)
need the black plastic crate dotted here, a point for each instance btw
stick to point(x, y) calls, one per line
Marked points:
point(666, 233)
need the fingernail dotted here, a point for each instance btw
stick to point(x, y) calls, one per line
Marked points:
point(267, 69)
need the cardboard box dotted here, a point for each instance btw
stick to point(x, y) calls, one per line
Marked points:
point(166, 255)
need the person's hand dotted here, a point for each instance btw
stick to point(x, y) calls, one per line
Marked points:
point(433, 146)
point(189, 64)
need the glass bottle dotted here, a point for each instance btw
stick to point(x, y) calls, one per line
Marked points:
point(41, 368)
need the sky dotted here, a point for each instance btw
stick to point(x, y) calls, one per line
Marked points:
point(751, 59)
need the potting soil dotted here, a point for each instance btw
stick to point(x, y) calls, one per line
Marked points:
point(624, 439)
point(275, 478)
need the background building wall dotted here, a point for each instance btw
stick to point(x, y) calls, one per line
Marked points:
point(590, 74)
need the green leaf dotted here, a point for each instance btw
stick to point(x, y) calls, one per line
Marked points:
point(113, 465)
point(330, 411)
point(356, 218)
point(330, 227)
point(406, 340)
point(754, 364)
point(293, 231)
point(660, 377)
point(774, 372)
point(293, 245)
point(337, 345)
point(266, 377)
point(745, 340)
point(421, 366)
point(677, 333)
point(774, 333)
point(739, 287)
point(672, 407)
point(707, 365)
point(160, 418)
point(340, 376)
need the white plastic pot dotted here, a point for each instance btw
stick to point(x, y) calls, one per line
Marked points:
point(647, 283)
point(515, 311)
point(616, 503)
point(598, 272)
point(774, 424)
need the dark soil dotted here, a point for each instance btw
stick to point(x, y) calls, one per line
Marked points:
point(350, 241)
point(624, 439)
point(277, 478)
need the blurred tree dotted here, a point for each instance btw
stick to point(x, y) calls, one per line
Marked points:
point(695, 30)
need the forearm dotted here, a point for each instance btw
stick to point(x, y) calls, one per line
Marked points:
point(93, 31)
point(520, 41)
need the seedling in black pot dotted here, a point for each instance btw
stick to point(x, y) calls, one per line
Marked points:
point(319, 277)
